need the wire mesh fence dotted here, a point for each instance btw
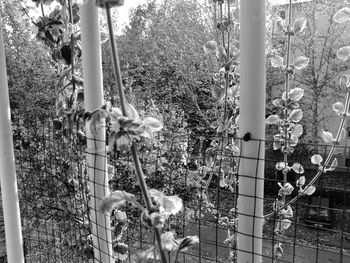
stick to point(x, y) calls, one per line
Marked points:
point(54, 196)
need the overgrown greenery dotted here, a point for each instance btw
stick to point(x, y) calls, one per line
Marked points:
point(166, 74)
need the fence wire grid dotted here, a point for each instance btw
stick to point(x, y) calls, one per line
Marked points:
point(54, 198)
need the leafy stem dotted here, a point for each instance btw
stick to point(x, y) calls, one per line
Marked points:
point(326, 163)
point(289, 129)
point(139, 172)
point(72, 49)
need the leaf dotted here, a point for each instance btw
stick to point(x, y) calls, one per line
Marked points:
point(153, 124)
point(299, 25)
point(120, 216)
point(338, 108)
point(221, 54)
point(333, 165)
point(116, 198)
point(237, 120)
point(168, 241)
point(301, 62)
point(316, 159)
point(157, 219)
point(296, 94)
point(278, 250)
point(273, 119)
point(169, 205)
point(131, 112)
point(343, 53)
point(296, 115)
point(344, 81)
point(96, 121)
point(280, 25)
point(288, 212)
point(210, 47)
point(284, 96)
point(277, 205)
point(343, 134)
point(286, 189)
point(277, 141)
point(297, 130)
point(342, 15)
point(218, 92)
point(281, 166)
point(278, 102)
point(145, 256)
point(223, 183)
point(285, 224)
point(301, 181)
point(293, 140)
point(277, 62)
point(298, 168)
point(327, 136)
point(309, 190)
point(294, 105)
point(188, 242)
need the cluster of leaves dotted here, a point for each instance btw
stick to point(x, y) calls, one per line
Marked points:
point(123, 128)
point(124, 131)
point(60, 32)
point(289, 129)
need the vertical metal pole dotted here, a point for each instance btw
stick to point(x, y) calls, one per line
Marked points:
point(96, 145)
point(252, 120)
point(9, 192)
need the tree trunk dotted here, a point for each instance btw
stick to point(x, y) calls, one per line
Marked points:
point(315, 122)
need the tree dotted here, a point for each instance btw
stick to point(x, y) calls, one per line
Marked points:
point(163, 59)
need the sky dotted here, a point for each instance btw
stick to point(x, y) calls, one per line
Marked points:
point(128, 4)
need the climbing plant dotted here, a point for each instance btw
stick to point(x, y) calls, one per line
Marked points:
point(290, 130)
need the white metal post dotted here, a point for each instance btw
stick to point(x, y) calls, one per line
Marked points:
point(252, 120)
point(9, 192)
point(96, 145)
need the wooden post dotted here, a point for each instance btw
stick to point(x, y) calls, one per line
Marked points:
point(9, 192)
point(96, 145)
point(252, 120)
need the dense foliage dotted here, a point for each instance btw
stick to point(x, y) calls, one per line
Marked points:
point(31, 75)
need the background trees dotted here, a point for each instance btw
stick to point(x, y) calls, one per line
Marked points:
point(161, 52)
point(31, 74)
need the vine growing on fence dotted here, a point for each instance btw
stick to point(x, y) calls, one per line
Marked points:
point(222, 155)
point(290, 131)
point(60, 32)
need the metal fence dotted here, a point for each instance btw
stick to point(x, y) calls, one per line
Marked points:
point(52, 180)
